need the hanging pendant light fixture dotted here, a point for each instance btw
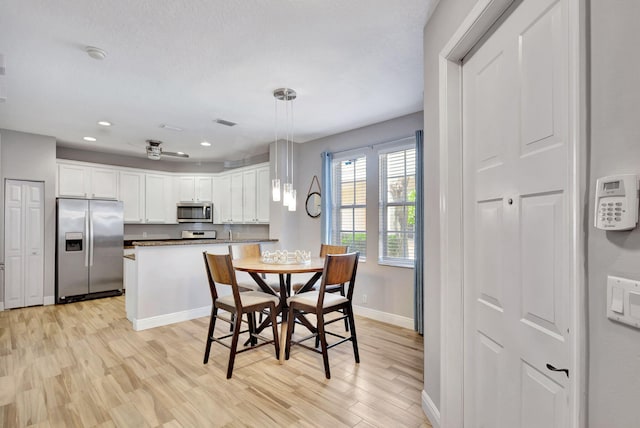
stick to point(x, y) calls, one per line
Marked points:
point(289, 194)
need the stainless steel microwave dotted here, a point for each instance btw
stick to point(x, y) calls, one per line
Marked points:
point(195, 212)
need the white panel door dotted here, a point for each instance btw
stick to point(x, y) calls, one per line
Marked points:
point(517, 222)
point(156, 200)
point(24, 243)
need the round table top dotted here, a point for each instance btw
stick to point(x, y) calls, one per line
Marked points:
point(258, 266)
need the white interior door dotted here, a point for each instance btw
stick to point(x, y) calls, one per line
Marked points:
point(517, 222)
point(24, 243)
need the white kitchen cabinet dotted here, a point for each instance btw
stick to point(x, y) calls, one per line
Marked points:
point(82, 181)
point(104, 183)
point(223, 202)
point(263, 194)
point(73, 181)
point(159, 203)
point(237, 186)
point(194, 189)
point(132, 195)
point(257, 191)
point(249, 196)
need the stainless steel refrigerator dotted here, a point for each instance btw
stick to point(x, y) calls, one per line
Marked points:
point(89, 257)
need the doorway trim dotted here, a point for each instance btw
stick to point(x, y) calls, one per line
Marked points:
point(479, 20)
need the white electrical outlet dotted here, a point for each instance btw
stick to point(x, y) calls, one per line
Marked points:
point(364, 299)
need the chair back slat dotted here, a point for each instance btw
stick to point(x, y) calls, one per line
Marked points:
point(220, 270)
point(333, 249)
point(339, 269)
point(245, 251)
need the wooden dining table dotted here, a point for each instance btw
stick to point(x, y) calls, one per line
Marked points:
point(256, 267)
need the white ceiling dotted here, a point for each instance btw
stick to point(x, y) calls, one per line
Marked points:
point(187, 62)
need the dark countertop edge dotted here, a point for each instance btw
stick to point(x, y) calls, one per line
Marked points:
point(198, 242)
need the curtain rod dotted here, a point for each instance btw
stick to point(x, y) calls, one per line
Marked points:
point(371, 146)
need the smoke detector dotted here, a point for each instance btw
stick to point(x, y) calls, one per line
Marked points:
point(96, 53)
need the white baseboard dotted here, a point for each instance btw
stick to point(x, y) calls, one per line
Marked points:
point(49, 300)
point(160, 320)
point(430, 410)
point(374, 314)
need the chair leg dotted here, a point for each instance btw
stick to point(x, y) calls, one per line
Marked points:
point(234, 345)
point(274, 326)
point(354, 339)
point(346, 321)
point(291, 322)
point(212, 326)
point(233, 322)
point(251, 317)
point(323, 343)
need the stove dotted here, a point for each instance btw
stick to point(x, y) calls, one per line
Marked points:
point(199, 234)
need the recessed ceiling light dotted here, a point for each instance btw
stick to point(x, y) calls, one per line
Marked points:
point(205, 143)
point(89, 139)
point(104, 123)
point(96, 53)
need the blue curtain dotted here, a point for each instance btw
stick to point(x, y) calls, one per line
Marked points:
point(326, 206)
point(418, 280)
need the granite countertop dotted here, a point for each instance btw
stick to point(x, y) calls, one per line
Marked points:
point(197, 242)
point(130, 256)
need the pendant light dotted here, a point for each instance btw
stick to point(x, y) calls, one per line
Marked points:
point(289, 193)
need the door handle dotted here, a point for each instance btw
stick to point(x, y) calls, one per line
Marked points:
point(553, 369)
point(86, 238)
point(91, 239)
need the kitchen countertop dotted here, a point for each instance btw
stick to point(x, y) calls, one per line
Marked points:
point(166, 242)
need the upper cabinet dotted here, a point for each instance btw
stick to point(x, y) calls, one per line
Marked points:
point(159, 203)
point(104, 183)
point(73, 181)
point(195, 189)
point(80, 181)
point(132, 195)
point(256, 186)
point(242, 196)
point(239, 196)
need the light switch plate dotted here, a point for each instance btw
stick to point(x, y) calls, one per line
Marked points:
point(628, 291)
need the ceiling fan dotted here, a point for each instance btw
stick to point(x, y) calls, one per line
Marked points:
point(155, 152)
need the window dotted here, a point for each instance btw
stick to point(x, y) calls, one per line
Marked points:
point(350, 195)
point(397, 206)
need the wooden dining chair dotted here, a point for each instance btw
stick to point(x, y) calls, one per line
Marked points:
point(251, 251)
point(338, 269)
point(337, 288)
point(220, 270)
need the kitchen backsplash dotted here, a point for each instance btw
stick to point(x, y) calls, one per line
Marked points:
point(173, 231)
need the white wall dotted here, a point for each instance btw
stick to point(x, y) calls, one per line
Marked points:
point(445, 20)
point(388, 289)
point(614, 349)
point(32, 157)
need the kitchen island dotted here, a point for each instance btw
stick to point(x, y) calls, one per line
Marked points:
point(166, 281)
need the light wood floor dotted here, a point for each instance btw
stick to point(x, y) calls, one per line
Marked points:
point(82, 365)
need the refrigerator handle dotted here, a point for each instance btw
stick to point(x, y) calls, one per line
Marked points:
point(86, 238)
point(91, 238)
